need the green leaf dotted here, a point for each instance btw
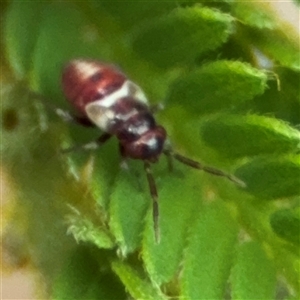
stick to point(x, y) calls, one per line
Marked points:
point(129, 202)
point(280, 47)
point(80, 278)
point(180, 195)
point(272, 177)
point(135, 282)
point(253, 275)
point(283, 104)
point(181, 36)
point(136, 12)
point(286, 224)
point(239, 136)
point(64, 34)
point(84, 230)
point(216, 86)
point(21, 28)
point(254, 13)
point(97, 172)
point(209, 254)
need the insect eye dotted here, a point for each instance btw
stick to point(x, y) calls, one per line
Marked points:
point(96, 77)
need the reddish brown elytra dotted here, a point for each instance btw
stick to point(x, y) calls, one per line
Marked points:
point(103, 96)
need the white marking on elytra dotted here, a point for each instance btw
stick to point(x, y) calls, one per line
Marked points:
point(86, 69)
point(99, 115)
point(136, 92)
point(99, 111)
point(127, 89)
point(103, 116)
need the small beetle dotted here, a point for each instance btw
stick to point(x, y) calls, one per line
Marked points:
point(103, 96)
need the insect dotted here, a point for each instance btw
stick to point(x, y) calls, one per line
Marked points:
point(103, 96)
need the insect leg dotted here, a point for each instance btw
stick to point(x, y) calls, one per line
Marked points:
point(169, 160)
point(63, 114)
point(69, 118)
point(89, 146)
point(123, 163)
point(197, 165)
point(154, 195)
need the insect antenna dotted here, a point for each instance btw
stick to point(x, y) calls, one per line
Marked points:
point(154, 195)
point(197, 165)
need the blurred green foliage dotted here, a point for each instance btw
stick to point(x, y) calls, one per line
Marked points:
point(88, 224)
